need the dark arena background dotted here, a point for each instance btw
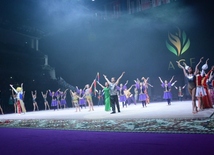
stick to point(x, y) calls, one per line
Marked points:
point(52, 44)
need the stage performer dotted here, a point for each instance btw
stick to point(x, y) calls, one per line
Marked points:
point(99, 97)
point(210, 84)
point(122, 97)
point(87, 95)
point(167, 95)
point(129, 95)
point(75, 98)
point(142, 95)
point(57, 94)
point(113, 92)
point(180, 92)
point(19, 96)
point(146, 84)
point(107, 95)
point(136, 92)
point(206, 99)
point(63, 98)
point(200, 91)
point(45, 100)
point(191, 84)
point(81, 95)
point(34, 96)
point(14, 101)
point(53, 100)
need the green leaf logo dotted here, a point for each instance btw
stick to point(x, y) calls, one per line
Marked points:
point(178, 43)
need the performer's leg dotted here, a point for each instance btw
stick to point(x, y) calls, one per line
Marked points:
point(15, 107)
point(1, 110)
point(112, 103)
point(143, 103)
point(22, 106)
point(117, 103)
point(194, 107)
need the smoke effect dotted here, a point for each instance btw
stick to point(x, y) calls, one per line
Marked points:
point(81, 43)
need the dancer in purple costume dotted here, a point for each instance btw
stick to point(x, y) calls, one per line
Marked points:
point(167, 89)
point(129, 95)
point(58, 99)
point(142, 95)
point(81, 93)
point(146, 84)
point(63, 98)
point(53, 99)
point(122, 97)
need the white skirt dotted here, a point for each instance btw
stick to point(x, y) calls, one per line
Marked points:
point(200, 91)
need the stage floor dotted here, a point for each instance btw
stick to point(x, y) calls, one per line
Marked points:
point(153, 110)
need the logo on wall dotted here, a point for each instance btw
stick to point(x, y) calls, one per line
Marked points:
point(178, 43)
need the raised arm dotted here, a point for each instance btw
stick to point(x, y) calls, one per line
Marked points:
point(172, 79)
point(65, 91)
point(176, 87)
point(105, 77)
point(184, 71)
point(130, 87)
point(173, 83)
point(119, 78)
point(149, 84)
point(160, 79)
point(196, 67)
point(92, 84)
point(184, 86)
point(100, 84)
point(126, 82)
point(13, 88)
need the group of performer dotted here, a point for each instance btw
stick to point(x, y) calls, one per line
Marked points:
point(200, 86)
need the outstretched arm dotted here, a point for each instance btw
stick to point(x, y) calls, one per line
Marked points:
point(149, 84)
point(22, 86)
point(13, 88)
point(92, 84)
point(179, 65)
point(100, 85)
point(126, 82)
point(171, 79)
point(173, 83)
point(130, 87)
point(105, 77)
point(196, 67)
point(120, 78)
point(160, 79)
point(184, 86)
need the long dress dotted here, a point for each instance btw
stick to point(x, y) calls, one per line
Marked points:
point(107, 99)
point(206, 99)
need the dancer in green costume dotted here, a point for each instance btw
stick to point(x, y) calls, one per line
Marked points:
point(107, 95)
